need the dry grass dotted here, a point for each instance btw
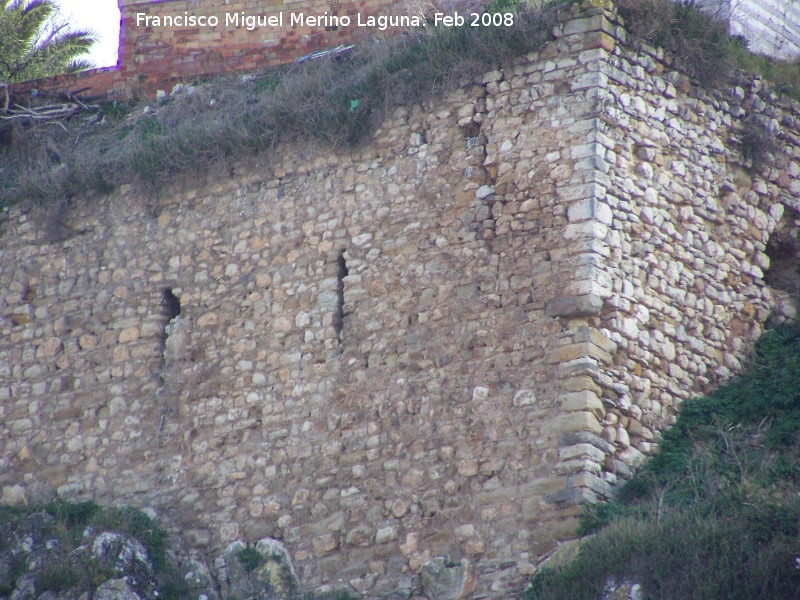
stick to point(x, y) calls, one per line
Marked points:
point(697, 37)
point(338, 101)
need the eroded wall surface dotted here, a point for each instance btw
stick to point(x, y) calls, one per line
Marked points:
point(436, 345)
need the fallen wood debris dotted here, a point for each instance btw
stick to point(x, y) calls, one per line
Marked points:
point(50, 112)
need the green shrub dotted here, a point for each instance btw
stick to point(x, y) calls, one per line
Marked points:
point(696, 34)
point(784, 74)
point(683, 554)
point(250, 558)
point(758, 144)
point(68, 571)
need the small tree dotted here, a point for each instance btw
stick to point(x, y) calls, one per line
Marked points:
point(33, 45)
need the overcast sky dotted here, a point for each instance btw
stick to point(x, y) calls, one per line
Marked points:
point(102, 18)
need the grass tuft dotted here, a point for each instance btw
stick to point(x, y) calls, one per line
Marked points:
point(250, 558)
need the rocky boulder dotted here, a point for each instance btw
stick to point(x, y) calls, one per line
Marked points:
point(260, 572)
point(443, 579)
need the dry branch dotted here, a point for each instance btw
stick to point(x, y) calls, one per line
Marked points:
point(46, 113)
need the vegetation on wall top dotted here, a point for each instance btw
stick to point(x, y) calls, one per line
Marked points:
point(338, 101)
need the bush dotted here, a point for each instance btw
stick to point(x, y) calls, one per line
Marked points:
point(67, 570)
point(784, 74)
point(696, 33)
point(758, 144)
point(683, 554)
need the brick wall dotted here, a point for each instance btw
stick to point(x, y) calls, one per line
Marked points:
point(153, 58)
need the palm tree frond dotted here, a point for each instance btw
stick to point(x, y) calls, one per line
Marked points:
point(34, 44)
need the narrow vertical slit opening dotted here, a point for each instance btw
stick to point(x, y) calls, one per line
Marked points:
point(338, 317)
point(171, 305)
point(171, 310)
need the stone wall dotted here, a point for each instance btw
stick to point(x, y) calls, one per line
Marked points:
point(440, 344)
point(682, 224)
point(771, 26)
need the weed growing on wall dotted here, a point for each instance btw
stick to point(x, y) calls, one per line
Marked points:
point(716, 513)
point(250, 558)
point(785, 74)
point(758, 144)
point(697, 35)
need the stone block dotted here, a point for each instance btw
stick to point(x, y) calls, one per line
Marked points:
point(524, 397)
point(586, 229)
point(589, 208)
point(578, 384)
point(592, 482)
point(572, 352)
point(574, 306)
point(585, 25)
point(582, 451)
point(51, 347)
point(590, 334)
point(589, 80)
point(13, 495)
point(386, 534)
point(585, 437)
point(585, 400)
point(599, 39)
point(619, 468)
point(543, 485)
point(585, 191)
point(572, 496)
point(442, 580)
point(325, 544)
point(574, 422)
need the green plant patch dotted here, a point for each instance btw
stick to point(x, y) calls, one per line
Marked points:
point(115, 110)
point(66, 570)
point(250, 558)
point(681, 554)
